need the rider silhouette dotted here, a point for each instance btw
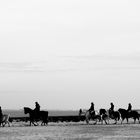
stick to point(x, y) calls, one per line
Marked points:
point(91, 109)
point(36, 110)
point(129, 107)
point(37, 107)
point(111, 108)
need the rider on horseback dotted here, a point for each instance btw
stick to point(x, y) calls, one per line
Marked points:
point(37, 109)
point(111, 108)
point(91, 109)
point(129, 107)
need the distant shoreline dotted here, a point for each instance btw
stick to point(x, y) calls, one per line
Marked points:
point(20, 113)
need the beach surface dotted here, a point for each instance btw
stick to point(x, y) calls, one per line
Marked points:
point(70, 131)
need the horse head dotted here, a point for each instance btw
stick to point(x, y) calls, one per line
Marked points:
point(27, 110)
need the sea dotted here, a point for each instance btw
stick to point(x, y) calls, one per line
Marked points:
point(20, 113)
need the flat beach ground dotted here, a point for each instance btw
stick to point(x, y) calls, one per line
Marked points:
point(70, 131)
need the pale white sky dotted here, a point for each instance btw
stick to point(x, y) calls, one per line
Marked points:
point(67, 54)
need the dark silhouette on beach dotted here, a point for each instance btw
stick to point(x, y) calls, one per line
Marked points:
point(129, 113)
point(91, 109)
point(34, 116)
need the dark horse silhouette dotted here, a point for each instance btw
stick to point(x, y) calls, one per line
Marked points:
point(104, 116)
point(114, 115)
point(34, 116)
point(107, 114)
point(125, 114)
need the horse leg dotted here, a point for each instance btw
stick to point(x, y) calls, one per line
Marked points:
point(138, 119)
point(45, 123)
point(3, 124)
point(134, 120)
point(95, 122)
point(101, 121)
point(115, 121)
point(87, 121)
point(42, 124)
point(106, 121)
point(30, 123)
point(127, 120)
point(122, 120)
point(37, 123)
point(34, 124)
point(99, 118)
point(8, 123)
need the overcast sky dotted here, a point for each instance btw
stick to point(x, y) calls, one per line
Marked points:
point(67, 54)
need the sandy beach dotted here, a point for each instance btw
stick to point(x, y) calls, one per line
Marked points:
point(70, 131)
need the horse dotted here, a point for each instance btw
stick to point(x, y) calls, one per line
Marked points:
point(114, 115)
point(104, 116)
point(34, 116)
point(109, 114)
point(125, 114)
point(5, 120)
point(89, 116)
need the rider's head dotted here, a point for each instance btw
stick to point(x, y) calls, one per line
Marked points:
point(92, 103)
point(36, 102)
point(111, 103)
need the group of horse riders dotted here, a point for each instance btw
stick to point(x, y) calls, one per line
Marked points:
point(111, 109)
point(91, 110)
point(106, 114)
